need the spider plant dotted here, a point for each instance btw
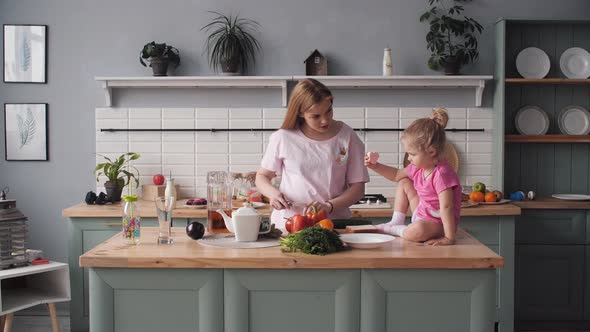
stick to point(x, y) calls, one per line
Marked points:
point(231, 43)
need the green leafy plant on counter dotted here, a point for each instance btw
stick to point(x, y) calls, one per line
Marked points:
point(116, 173)
point(313, 240)
point(452, 35)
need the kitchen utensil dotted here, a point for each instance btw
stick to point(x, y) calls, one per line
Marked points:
point(366, 240)
point(502, 201)
point(228, 241)
point(245, 223)
point(532, 62)
point(572, 197)
point(531, 120)
point(574, 120)
point(575, 63)
point(219, 196)
point(449, 154)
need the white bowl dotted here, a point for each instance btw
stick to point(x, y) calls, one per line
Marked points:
point(575, 63)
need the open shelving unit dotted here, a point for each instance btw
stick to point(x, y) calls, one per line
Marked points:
point(547, 81)
point(547, 138)
point(280, 82)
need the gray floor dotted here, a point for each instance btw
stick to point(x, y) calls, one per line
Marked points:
point(39, 324)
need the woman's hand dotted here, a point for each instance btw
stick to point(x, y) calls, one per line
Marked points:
point(317, 206)
point(443, 241)
point(278, 201)
point(371, 159)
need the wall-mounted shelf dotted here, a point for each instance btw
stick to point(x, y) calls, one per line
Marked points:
point(108, 83)
point(546, 81)
point(547, 138)
point(352, 82)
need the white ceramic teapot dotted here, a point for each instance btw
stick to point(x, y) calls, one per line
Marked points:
point(244, 223)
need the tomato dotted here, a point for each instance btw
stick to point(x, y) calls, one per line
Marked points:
point(314, 216)
point(299, 223)
point(158, 179)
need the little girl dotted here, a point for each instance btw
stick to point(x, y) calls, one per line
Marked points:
point(428, 184)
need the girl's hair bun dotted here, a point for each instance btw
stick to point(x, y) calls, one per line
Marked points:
point(440, 116)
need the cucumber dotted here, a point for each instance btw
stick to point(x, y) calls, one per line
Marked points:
point(342, 223)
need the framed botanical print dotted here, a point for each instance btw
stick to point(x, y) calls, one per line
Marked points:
point(25, 131)
point(25, 53)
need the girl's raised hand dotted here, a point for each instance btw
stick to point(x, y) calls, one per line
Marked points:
point(371, 159)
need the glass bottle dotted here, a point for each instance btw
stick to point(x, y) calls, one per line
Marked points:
point(131, 220)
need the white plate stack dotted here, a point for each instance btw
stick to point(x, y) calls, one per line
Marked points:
point(13, 232)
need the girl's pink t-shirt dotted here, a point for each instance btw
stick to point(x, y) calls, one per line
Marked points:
point(314, 170)
point(442, 177)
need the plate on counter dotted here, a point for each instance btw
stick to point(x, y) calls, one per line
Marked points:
point(575, 63)
point(531, 120)
point(574, 120)
point(533, 62)
point(502, 201)
point(572, 197)
point(468, 204)
point(366, 240)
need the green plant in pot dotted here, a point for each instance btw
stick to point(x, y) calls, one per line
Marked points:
point(231, 44)
point(160, 56)
point(118, 174)
point(452, 35)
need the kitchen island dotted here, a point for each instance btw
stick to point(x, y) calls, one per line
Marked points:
point(89, 225)
point(186, 286)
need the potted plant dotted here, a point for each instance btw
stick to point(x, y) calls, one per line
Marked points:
point(231, 44)
point(452, 36)
point(118, 176)
point(159, 57)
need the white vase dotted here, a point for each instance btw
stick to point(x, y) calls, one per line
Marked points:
point(387, 66)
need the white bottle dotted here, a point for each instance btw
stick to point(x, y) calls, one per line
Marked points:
point(170, 190)
point(387, 65)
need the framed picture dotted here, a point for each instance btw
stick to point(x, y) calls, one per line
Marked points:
point(25, 131)
point(25, 53)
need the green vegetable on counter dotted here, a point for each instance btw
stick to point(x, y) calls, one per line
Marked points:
point(313, 240)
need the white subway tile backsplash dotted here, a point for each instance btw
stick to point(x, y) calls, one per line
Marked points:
point(145, 113)
point(212, 147)
point(245, 113)
point(383, 112)
point(140, 147)
point(111, 113)
point(248, 147)
point(349, 113)
point(178, 113)
point(470, 180)
point(178, 147)
point(190, 155)
point(178, 159)
point(212, 113)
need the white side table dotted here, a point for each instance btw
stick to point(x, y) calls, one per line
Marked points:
point(24, 287)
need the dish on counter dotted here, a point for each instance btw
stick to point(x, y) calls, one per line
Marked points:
point(502, 201)
point(574, 120)
point(531, 120)
point(255, 205)
point(366, 240)
point(196, 203)
point(533, 62)
point(575, 63)
point(468, 204)
point(572, 197)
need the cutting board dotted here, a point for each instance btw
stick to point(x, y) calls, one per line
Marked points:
point(371, 206)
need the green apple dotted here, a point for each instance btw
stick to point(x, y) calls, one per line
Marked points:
point(478, 186)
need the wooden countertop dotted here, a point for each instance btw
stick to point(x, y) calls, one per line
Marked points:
point(552, 203)
point(148, 209)
point(468, 253)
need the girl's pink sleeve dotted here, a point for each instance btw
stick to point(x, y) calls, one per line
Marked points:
point(445, 179)
point(411, 171)
point(272, 160)
point(356, 170)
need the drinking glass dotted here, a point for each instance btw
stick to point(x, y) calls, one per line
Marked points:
point(164, 207)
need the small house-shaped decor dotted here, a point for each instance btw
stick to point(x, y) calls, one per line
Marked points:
point(316, 64)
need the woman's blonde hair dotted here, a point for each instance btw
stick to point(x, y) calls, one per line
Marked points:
point(426, 132)
point(306, 93)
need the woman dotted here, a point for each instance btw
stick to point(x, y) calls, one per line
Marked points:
point(320, 160)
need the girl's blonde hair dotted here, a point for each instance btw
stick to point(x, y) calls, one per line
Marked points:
point(306, 93)
point(426, 132)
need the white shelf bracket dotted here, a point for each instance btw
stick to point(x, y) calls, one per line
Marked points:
point(108, 93)
point(479, 93)
point(284, 93)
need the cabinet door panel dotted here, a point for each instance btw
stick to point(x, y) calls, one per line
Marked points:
point(485, 229)
point(551, 227)
point(549, 280)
